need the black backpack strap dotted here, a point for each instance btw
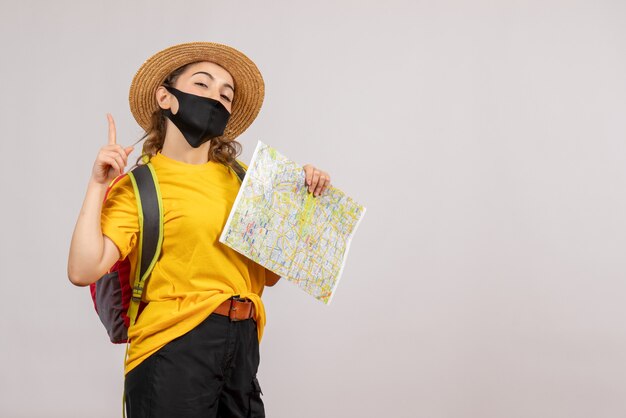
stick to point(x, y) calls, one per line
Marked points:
point(150, 211)
point(239, 170)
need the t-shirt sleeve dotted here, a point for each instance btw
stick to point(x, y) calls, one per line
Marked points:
point(119, 220)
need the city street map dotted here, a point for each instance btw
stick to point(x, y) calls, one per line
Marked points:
point(278, 224)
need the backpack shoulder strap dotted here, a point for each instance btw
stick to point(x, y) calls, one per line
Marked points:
point(239, 170)
point(150, 211)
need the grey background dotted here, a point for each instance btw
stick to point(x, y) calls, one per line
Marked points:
point(486, 139)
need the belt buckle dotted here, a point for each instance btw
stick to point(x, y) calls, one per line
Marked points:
point(233, 310)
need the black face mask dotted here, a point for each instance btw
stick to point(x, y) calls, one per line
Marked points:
point(198, 118)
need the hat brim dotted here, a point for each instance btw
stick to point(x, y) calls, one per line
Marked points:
point(249, 85)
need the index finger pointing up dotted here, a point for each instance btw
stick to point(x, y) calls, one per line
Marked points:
point(111, 129)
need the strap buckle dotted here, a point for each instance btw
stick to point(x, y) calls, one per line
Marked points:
point(137, 292)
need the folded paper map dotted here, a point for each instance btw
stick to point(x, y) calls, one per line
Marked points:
point(278, 224)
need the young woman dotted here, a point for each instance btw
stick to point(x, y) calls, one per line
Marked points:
point(187, 357)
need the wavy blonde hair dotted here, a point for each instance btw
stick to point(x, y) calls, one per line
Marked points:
point(221, 150)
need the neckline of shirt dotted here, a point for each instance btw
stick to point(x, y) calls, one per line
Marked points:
point(160, 158)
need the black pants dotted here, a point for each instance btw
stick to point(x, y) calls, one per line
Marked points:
point(208, 372)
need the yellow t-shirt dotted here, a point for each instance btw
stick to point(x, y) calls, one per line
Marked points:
point(195, 273)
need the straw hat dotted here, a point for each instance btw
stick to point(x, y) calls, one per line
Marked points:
point(249, 86)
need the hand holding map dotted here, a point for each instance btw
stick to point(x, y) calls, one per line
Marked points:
point(278, 224)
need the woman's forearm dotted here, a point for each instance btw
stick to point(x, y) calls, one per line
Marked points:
point(85, 262)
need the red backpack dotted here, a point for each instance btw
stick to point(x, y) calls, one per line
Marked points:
point(116, 300)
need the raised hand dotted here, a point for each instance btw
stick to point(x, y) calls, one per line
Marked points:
point(111, 159)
